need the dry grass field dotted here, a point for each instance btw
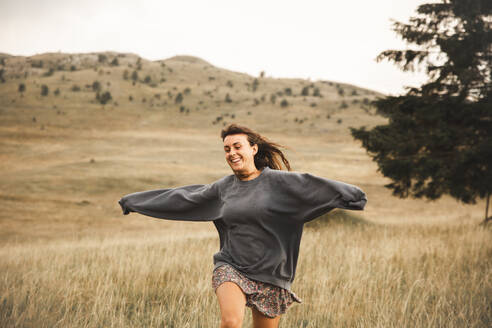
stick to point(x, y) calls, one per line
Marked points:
point(69, 258)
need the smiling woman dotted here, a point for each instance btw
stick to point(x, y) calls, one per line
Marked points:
point(246, 150)
point(259, 212)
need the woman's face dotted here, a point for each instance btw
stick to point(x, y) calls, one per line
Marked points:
point(239, 154)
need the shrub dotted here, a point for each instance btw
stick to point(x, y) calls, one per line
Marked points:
point(228, 98)
point(75, 88)
point(73, 68)
point(288, 91)
point(22, 87)
point(255, 84)
point(147, 79)
point(103, 98)
point(343, 105)
point(341, 92)
point(135, 76)
point(179, 98)
point(44, 90)
point(96, 86)
point(273, 98)
point(37, 64)
point(115, 62)
point(125, 74)
point(316, 92)
point(284, 103)
point(102, 58)
point(187, 91)
point(49, 72)
point(56, 92)
point(305, 91)
point(230, 84)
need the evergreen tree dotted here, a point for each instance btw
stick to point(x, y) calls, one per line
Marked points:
point(438, 139)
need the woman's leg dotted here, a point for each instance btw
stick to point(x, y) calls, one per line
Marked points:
point(232, 302)
point(262, 321)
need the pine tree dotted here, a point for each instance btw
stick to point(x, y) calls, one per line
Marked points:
point(438, 139)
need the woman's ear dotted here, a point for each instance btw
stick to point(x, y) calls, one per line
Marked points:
point(255, 149)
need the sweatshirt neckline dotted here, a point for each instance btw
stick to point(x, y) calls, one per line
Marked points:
point(258, 178)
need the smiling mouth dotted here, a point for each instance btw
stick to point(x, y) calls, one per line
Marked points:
point(235, 160)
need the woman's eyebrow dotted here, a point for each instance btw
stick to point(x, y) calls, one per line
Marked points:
point(236, 143)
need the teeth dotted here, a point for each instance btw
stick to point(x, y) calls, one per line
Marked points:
point(235, 160)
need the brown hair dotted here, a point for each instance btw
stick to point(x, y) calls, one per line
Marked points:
point(268, 153)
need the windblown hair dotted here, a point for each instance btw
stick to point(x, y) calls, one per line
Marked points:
point(268, 153)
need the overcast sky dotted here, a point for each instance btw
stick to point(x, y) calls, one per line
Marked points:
point(320, 40)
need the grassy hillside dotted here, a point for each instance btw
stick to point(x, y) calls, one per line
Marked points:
point(66, 151)
point(69, 257)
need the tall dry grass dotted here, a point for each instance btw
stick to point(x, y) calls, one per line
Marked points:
point(348, 276)
point(68, 258)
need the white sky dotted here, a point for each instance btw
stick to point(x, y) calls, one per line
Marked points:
point(328, 40)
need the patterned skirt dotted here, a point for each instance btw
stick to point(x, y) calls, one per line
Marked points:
point(270, 300)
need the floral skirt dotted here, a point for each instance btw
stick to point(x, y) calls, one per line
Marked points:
point(268, 299)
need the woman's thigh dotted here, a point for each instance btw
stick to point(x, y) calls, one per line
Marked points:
point(262, 321)
point(232, 302)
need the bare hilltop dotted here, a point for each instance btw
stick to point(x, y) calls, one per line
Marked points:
point(181, 91)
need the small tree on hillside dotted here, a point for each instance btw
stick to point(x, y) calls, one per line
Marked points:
point(101, 58)
point(255, 84)
point(438, 139)
point(104, 97)
point(44, 90)
point(22, 87)
point(96, 86)
point(179, 98)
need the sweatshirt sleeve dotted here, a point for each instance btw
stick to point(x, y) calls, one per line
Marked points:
point(314, 196)
point(187, 203)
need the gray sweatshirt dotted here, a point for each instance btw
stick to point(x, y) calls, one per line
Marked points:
point(259, 221)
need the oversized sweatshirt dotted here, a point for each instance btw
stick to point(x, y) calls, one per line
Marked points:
point(260, 221)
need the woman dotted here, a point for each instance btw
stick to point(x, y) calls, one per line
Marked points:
point(259, 212)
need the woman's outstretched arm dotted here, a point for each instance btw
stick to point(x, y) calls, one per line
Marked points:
point(187, 203)
point(312, 196)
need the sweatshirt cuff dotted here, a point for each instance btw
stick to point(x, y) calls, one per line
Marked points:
point(358, 204)
point(126, 211)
